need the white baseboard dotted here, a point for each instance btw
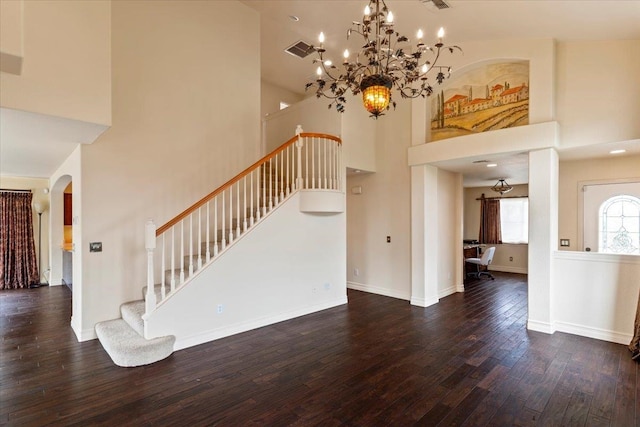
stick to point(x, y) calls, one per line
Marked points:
point(508, 269)
point(377, 290)
point(596, 333)
point(447, 291)
point(214, 334)
point(83, 334)
point(545, 327)
point(422, 302)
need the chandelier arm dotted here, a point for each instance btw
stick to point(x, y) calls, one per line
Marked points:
point(324, 68)
point(412, 95)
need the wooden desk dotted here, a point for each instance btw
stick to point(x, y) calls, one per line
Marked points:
point(471, 251)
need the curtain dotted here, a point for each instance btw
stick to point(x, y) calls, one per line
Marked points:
point(635, 342)
point(490, 221)
point(18, 264)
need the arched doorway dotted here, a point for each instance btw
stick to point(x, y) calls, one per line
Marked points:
point(61, 233)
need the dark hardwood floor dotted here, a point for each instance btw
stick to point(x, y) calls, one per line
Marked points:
point(468, 360)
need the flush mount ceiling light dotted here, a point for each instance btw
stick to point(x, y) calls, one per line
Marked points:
point(386, 62)
point(502, 187)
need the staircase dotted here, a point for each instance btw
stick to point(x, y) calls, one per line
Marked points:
point(195, 239)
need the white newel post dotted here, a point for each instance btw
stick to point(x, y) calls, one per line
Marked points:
point(150, 245)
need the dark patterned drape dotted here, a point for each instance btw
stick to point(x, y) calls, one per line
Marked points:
point(490, 221)
point(18, 264)
point(635, 342)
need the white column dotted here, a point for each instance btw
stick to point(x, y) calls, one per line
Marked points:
point(459, 235)
point(543, 237)
point(424, 235)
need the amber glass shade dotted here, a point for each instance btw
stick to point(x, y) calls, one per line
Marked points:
point(376, 99)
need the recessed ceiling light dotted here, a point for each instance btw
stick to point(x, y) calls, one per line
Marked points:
point(294, 18)
point(620, 151)
point(492, 165)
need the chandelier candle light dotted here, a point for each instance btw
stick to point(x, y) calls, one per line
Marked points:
point(386, 62)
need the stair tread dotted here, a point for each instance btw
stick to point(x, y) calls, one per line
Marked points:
point(131, 313)
point(127, 348)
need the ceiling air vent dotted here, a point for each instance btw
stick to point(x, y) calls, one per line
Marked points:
point(300, 49)
point(439, 4)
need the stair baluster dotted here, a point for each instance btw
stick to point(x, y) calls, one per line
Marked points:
point(190, 245)
point(215, 227)
point(231, 214)
point(162, 275)
point(199, 238)
point(238, 210)
point(208, 252)
point(181, 252)
point(173, 259)
point(223, 244)
point(244, 205)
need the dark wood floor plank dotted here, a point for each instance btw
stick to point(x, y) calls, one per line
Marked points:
point(467, 360)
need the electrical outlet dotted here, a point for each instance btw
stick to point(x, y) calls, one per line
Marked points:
point(510, 258)
point(220, 308)
point(314, 289)
point(356, 272)
point(327, 286)
point(388, 239)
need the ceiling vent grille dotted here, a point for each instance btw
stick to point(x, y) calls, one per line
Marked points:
point(439, 4)
point(300, 49)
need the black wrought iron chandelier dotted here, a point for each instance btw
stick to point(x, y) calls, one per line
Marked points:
point(386, 62)
point(502, 187)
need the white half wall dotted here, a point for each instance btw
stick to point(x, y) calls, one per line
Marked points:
point(596, 295)
point(289, 265)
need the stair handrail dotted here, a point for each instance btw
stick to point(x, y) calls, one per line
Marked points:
point(322, 167)
point(241, 175)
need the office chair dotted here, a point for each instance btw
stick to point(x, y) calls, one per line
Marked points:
point(485, 260)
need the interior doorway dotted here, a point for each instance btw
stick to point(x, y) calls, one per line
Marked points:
point(61, 232)
point(67, 243)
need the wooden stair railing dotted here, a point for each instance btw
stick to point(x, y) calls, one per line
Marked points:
point(200, 233)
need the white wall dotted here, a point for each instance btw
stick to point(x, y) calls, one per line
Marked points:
point(311, 114)
point(448, 232)
point(354, 126)
point(66, 71)
point(383, 209)
point(596, 295)
point(271, 96)
point(501, 261)
point(574, 172)
point(596, 104)
point(290, 264)
point(11, 36)
point(183, 123)
point(358, 136)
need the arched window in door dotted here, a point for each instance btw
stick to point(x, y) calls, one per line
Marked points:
point(619, 230)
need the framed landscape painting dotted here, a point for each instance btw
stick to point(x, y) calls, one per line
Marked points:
point(489, 97)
